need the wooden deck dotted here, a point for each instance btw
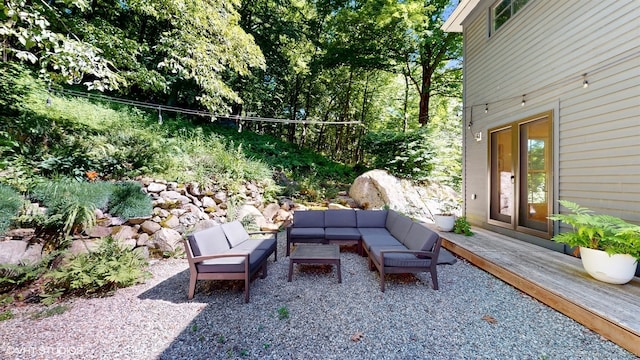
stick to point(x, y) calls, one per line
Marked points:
point(558, 281)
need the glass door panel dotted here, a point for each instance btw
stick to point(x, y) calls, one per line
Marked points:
point(534, 174)
point(502, 176)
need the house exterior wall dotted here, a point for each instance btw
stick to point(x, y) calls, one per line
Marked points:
point(543, 53)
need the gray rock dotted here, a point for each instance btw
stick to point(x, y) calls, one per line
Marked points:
point(143, 251)
point(177, 212)
point(337, 206)
point(12, 251)
point(150, 227)
point(124, 233)
point(189, 219)
point(143, 239)
point(128, 243)
point(156, 187)
point(220, 197)
point(99, 231)
point(166, 240)
point(171, 222)
point(21, 233)
point(33, 255)
point(193, 188)
point(138, 220)
point(270, 211)
point(83, 246)
point(205, 224)
point(208, 202)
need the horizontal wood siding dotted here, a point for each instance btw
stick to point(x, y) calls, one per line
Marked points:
point(542, 53)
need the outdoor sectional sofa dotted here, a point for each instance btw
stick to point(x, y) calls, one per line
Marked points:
point(226, 252)
point(393, 242)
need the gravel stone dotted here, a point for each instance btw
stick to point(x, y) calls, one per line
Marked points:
point(473, 316)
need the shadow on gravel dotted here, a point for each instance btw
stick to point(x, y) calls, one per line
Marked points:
point(173, 289)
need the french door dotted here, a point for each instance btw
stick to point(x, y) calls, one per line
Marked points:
point(521, 166)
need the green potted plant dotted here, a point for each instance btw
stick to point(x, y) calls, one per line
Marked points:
point(609, 246)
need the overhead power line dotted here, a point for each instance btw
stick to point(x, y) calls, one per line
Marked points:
point(160, 108)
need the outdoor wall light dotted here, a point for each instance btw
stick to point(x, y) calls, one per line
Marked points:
point(486, 108)
point(523, 100)
point(585, 82)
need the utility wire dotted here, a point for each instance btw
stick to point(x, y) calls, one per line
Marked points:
point(160, 108)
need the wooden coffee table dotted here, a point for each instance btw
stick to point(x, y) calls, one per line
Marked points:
point(316, 254)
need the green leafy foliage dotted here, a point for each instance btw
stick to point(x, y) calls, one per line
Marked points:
point(108, 268)
point(129, 201)
point(49, 312)
point(15, 276)
point(6, 315)
point(407, 155)
point(462, 226)
point(10, 204)
point(597, 231)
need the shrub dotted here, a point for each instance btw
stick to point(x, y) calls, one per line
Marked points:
point(71, 204)
point(108, 268)
point(129, 201)
point(407, 155)
point(15, 276)
point(10, 203)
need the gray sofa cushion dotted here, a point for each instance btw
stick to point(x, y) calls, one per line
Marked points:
point(208, 241)
point(268, 244)
point(371, 218)
point(374, 231)
point(371, 241)
point(392, 216)
point(308, 219)
point(340, 219)
point(233, 264)
point(399, 259)
point(400, 227)
point(307, 233)
point(235, 233)
point(420, 238)
point(341, 233)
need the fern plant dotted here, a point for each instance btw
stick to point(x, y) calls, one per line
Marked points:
point(108, 268)
point(597, 231)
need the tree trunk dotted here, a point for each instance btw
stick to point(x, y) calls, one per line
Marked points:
point(425, 94)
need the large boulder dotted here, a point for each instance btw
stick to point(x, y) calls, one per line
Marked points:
point(376, 189)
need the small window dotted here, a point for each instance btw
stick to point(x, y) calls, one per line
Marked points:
point(504, 10)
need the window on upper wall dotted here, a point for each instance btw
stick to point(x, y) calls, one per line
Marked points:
point(504, 10)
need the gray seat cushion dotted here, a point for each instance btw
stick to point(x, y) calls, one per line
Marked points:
point(341, 233)
point(208, 241)
point(371, 218)
point(399, 259)
point(340, 219)
point(371, 241)
point(400, 227)
point(307, 233)
point(235, 233)
point(420, 238)
point(374, 231)
point(232, 264)
point(308, 219)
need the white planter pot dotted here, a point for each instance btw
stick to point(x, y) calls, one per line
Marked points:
point(444, 222)
point(613, 269)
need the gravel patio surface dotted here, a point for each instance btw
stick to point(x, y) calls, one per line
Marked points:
point(472, 316)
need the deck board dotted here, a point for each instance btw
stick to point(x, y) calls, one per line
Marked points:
point(557, 280)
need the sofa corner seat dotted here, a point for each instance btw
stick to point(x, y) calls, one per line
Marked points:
point(226, 252)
